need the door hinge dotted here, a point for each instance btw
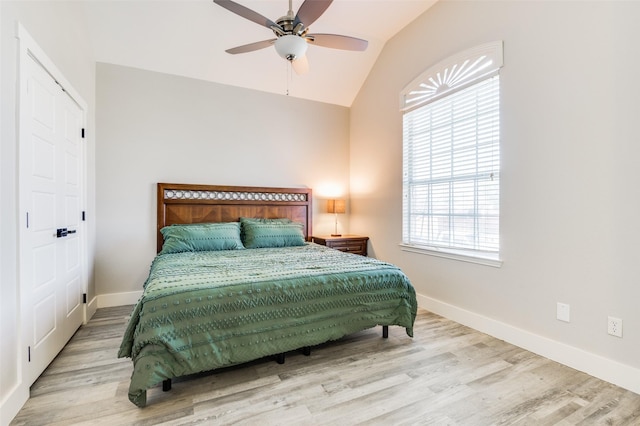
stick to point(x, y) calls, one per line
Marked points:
point(83, 216)
point(83, 133)
point(84, 298)
point(27, 220)
point(28, 353)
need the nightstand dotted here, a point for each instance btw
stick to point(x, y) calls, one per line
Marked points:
point(356, 244)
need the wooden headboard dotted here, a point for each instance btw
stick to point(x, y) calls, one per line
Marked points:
point(185, 203)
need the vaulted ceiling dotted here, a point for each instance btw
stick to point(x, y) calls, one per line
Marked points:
point(189, 38)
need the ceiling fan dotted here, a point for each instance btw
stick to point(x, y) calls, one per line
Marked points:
point(292, 37)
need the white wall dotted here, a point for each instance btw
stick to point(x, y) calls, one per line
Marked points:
point(58, 28)
point(569, 201)
point(154, 127)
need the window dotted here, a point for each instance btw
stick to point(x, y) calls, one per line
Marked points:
point(451, 156)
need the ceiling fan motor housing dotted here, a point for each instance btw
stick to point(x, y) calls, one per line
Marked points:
point(286, 24)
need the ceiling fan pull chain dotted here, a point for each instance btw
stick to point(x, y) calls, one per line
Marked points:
point(288, 75)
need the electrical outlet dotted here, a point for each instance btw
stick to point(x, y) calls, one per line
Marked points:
point(614, 326)
point(563, 312)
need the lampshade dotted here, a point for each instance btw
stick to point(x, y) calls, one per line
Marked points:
point(335, 206)
point(291, 47)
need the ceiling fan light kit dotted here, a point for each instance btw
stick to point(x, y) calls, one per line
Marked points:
point(291, 47)
point(292, 40)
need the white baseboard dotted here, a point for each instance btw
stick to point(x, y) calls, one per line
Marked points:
point(118, 299)
point(90, 309)
point(11, 405)
point(595, 365)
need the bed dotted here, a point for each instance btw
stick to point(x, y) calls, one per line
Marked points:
point(237, 278)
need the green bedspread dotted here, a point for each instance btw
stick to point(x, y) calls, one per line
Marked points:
point(209, 309)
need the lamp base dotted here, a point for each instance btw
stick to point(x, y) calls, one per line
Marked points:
point(336, 235)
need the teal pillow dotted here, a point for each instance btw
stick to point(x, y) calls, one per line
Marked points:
point(271, 233)
point(201, 237)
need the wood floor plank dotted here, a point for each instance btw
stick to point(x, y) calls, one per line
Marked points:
point(448, 374)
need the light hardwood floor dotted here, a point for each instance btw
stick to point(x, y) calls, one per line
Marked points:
point(448, 374)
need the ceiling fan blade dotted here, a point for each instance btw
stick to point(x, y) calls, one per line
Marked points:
point(246, 13)
point(301, 65)
point(311, 10)
point(251, 47)
point(335, 41)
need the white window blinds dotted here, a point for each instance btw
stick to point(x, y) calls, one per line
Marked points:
point(451, 170)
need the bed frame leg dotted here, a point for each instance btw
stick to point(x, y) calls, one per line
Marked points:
point(166, 385)
point(306, 351)
point(385, 331)
point(280, 358)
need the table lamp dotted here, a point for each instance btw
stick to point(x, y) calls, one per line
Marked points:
point(335, 207)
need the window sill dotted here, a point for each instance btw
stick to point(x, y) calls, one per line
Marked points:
point(460, 255)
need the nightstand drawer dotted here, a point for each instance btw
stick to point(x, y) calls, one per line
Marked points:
point(347, 243)
point(357, 247)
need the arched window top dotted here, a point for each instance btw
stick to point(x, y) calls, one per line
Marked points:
point(452, 74)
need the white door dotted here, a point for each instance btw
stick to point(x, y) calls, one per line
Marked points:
point(51, 162)
point(70, 196)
